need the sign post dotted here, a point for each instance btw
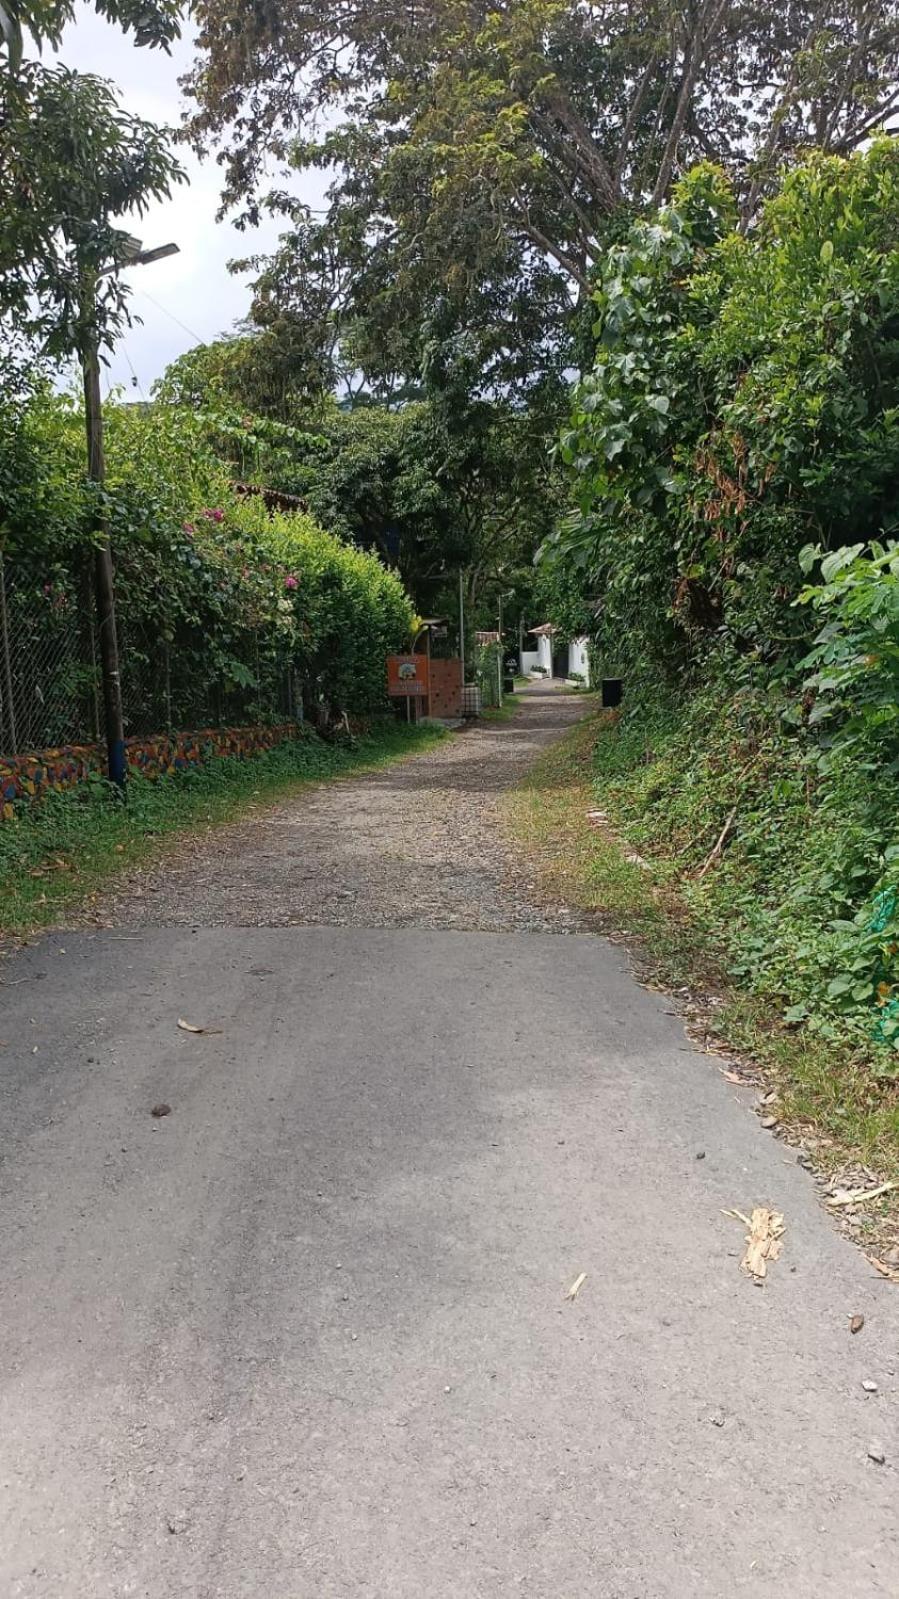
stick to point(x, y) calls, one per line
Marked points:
point(408, 678)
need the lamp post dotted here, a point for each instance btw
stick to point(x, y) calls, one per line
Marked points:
point(104, 574)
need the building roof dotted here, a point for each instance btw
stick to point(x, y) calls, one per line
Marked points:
point(486, 638)
point(545, 630)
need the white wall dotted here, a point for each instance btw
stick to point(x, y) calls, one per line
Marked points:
point(529, 659)
point(578, 658)
point(545, 653)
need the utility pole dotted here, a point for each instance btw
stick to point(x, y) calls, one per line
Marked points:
point(104, 578)
point(104, 572)
point(462, 631)
point(499, 655)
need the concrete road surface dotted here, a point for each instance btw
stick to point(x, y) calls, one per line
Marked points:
point(306, 1336)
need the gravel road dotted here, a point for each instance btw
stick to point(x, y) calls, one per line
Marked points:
point(413, 845)
point(286, 1303)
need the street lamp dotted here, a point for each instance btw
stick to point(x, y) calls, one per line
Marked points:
point(104, 577)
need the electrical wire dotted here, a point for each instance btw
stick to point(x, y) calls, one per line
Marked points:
point(135, 380)
point(172, 317)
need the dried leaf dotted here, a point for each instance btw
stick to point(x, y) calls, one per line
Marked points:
point(576, 1286)
point(856, 1324)
point(730, 1076)
point(188, 1027)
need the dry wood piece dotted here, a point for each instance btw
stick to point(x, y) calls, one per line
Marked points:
point(889, 1272)
point(857, 1196)
point(576, 1286)
point(763, 1240)
point(719, 845)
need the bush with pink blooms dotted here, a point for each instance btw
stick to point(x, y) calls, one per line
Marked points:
point(226, 611)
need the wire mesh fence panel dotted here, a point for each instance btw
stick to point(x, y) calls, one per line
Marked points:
point(488, 670)
point(145, 674)
point(50, 684)
point(48, 674)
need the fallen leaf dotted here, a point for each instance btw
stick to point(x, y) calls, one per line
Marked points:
point(188, 1027)
point(730, 1076)
point(576, 1286)
point(856, 1324)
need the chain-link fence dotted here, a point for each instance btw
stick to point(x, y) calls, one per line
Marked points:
point(50, 685)
point(488, 666)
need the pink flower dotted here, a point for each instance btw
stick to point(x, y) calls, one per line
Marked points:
point(215, 516)
point(188, 528)
point(290, 581)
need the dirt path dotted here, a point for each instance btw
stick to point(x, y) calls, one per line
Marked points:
point(416, 844)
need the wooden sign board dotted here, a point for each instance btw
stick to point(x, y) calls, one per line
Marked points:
point(407, 676)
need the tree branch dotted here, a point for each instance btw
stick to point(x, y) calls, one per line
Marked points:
point(707, 22)
point(546, 245)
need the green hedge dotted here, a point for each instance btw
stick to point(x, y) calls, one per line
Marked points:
point(220, 603)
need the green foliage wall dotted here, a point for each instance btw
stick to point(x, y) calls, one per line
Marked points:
point(240, 597)
point(742, 404)
point(734, 456)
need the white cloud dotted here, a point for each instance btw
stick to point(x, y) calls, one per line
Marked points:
point(190, 297)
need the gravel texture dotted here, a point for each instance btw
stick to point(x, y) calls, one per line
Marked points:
point(414, 844)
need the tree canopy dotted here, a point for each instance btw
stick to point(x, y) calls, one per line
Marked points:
point(73, 163)
point(478, 152)
point(740, 407)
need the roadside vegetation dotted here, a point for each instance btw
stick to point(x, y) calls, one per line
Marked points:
point(734, 452)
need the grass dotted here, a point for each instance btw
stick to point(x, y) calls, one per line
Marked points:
point(503, 713)
point(69, 847)
point(827, 1097)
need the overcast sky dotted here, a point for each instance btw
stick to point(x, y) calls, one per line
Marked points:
point(192, 297)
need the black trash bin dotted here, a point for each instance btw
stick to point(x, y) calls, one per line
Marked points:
point(612, 693)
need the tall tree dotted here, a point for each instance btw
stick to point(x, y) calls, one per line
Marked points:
point(480, 148)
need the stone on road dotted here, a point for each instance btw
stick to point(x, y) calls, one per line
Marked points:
point(307, 1337)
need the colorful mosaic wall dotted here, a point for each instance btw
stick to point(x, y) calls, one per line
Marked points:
point(30, 776)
